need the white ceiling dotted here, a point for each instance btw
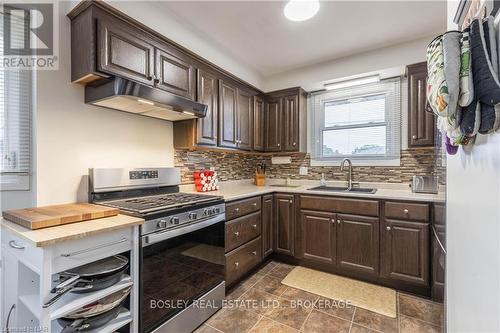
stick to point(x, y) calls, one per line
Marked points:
point(257, 34)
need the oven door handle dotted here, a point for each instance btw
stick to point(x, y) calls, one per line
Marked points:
point(164, 235)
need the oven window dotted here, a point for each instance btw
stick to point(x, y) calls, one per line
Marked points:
point(179, 270)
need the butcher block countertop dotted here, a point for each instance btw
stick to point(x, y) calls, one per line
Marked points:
point(50, 236)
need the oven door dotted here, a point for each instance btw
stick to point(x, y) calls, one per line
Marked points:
point(178, 267)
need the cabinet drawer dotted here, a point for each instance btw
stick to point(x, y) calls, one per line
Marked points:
point(407, 211)
point(243, 259)
point(339, 205)
point(78, 252)
point(242, 229)
point(242, 207)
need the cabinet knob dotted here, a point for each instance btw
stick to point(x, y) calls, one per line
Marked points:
point(255, 204)
point(254, 225)
point(290, 201)
point(149, 78)
point(414, 137)
point(254, 253)
point(236, 264)
point(237, 233)
point(405, 211)
point(388, 228)
point(236, 210)
point(332, 220)
point(294, 144)
point(338, 221)
point(279, 144)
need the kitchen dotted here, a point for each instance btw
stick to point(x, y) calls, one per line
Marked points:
point(240, 180)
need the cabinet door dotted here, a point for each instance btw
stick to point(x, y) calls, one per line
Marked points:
point(227, 115)
point(208, 92)
point(273, 125)
point(317, 236)
point(258, 124)
point(267, 224)
point(291, 123)
point(358, 243)
point(244, 119)
point(124, 54)
point(174, 75)
point(421, 124)
point(284, 223)
point(406, 251)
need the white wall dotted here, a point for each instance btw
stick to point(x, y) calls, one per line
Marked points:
point(73, 136)
point(473, 233)
point(390, 59)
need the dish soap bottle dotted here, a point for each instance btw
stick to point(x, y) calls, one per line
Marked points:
point(322, 181)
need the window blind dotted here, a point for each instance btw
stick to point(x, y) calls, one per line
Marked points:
point(16, 100)
point(361, 123)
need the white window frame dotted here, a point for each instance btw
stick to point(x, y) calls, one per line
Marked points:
point(391, 88)
point(20, 180)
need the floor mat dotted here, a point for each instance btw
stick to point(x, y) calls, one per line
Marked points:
point(361, 294)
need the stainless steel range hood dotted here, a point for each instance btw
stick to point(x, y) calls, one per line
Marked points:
point(125, 95)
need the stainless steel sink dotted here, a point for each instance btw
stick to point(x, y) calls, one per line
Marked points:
point(343, 189)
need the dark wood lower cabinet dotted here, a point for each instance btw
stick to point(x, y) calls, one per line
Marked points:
point(284, 224)
point(406, 251)
point(358, 243)
point(267, 224)
point(317, 236)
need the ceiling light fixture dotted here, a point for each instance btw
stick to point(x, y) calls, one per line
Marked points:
point(353, 82)
point(301, 10)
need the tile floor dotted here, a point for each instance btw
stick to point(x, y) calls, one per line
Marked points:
point(244, 311)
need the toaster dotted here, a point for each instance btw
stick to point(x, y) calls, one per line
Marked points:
point(425, 184)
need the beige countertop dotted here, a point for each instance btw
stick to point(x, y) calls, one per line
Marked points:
point(49, 236)
point(234, 190)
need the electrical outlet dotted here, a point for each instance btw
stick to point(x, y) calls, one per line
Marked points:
point(303, 170)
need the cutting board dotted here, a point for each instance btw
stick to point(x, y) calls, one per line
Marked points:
point(49, 216)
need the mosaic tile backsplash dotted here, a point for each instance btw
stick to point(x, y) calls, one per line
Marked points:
point(236, 166)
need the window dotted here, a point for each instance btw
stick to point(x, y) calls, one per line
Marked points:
point(361, 123)
point(16, 100)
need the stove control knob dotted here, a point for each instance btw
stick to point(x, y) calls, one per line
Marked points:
point(174, 220)
point(193, 216)
point(162, 224)
point(216, 210)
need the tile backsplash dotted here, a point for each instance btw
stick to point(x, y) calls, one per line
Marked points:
point(235, 166)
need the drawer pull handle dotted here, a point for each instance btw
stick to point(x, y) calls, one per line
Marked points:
point(236, 264)
point(388, 228)
point(255, 204)
point(237, 233)
point(71, 254)
point(236, 210)
point(254, 253)
point(405, 211)
point(254, 225)
point(14, 245)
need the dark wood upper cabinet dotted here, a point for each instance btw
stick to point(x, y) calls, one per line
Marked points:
point(406, 251)
point(244, 115)
point(267, 224)
point(317, 237)
point(286, 120)
point(208, 93)
point(358, 243)
point(174, 75)
point(258, 123)
point(122, 53)
point(284, 224)
point(273, 125)
point(228, 135)
point(291, 123)
point(421, 124)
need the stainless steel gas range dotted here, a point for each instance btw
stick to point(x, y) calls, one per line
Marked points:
point(182, 244)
